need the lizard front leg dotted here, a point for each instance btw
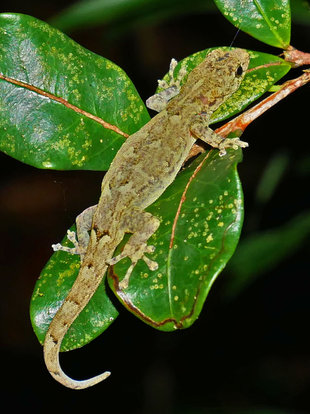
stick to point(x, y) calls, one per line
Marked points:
point(200, 129)
point(142, 224)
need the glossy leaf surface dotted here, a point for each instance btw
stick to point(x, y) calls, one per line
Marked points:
point(267, 20)
point(201, 217)
point(43, 132)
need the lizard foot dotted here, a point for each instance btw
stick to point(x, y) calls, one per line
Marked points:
point(72, 250)
point(169, 90)
point(173, 81)
point(135, 254)
point(234, 143)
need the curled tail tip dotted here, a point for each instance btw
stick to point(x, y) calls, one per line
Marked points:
point(51, 357)
point(91, 381)
point(80, 385)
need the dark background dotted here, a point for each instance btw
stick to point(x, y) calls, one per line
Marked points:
point(240, 356)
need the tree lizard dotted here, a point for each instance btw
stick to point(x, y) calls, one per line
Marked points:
point(143, 168)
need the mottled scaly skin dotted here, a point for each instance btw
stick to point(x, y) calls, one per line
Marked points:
point(143, 168)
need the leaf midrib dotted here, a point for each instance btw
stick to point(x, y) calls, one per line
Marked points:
point(62, 101)
point(267, 20)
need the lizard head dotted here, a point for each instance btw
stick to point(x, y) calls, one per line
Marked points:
point(217, 77)
point(231, 66)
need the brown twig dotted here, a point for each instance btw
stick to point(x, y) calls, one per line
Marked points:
point(296, 57)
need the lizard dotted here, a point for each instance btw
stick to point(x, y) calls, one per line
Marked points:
point(145, 165)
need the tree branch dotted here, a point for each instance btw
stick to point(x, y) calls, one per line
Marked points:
point(297, 57)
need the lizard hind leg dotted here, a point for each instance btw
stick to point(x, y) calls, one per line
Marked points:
point(142, 224)
point(79, 239)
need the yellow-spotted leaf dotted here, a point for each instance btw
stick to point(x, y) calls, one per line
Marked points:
point(61, 106)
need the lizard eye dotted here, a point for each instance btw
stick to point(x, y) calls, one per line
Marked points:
point(239, 71)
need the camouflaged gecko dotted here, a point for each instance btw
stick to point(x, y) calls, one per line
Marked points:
point(143, 168)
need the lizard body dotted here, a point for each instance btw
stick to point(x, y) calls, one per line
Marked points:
point(143, 168)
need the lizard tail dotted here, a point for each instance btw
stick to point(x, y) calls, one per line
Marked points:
point(51, 356)
point(78, 297)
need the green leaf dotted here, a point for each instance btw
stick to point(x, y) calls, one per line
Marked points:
point(87, 13)
point(41, 131)
point(44, 132)
point(264, 71)
point(267, 20)
point(261, 252)
point(204, 206)
point(51, 289)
